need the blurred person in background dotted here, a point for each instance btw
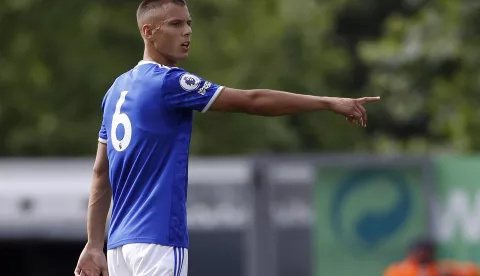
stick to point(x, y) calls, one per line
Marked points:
point(422, 261)
point(455, 268)
point(143, 149)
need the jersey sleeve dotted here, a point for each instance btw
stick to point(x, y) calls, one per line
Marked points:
point(102, 134)
point(181, 89)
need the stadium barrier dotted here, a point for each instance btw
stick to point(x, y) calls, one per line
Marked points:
point(277, 215)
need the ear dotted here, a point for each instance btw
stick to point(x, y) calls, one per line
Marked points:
point(147, 32)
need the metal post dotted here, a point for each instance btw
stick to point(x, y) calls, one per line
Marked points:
point(260, 239)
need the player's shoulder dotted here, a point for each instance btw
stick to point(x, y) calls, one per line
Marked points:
point(181, 78)
point(119, 79)
point(177, 72)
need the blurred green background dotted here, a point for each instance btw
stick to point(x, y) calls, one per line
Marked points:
point(58, 58)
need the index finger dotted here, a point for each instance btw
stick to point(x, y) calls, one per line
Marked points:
point(368, 99)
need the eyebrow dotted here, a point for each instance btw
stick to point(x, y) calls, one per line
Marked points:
point(178, 19)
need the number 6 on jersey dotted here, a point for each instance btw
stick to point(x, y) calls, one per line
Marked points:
point(121, 119)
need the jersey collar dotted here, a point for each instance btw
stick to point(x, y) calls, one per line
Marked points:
point(142, 62)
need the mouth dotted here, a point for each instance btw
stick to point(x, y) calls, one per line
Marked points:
point(186, 45)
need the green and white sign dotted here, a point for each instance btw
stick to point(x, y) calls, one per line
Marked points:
point(366, 218)
point(457, 210)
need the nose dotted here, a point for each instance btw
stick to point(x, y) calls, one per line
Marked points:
point(187, 31)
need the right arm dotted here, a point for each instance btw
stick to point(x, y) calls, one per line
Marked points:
point(185, 90)
point(265, 102)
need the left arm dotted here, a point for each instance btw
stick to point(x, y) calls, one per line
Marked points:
point(92, 260)
point(100, 198)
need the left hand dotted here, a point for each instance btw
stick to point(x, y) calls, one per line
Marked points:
point(92, 262)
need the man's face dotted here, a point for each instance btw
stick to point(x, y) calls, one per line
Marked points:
point(171, 31)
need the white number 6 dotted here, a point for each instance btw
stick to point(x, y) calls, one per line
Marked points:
point(121, 119)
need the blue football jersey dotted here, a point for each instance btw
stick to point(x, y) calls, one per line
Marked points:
point(147, 125)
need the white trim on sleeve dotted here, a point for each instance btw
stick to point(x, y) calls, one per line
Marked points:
point(101, 140)
point(212, 100)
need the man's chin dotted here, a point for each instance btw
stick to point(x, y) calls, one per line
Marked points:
point(182, 56)
point(178, 57)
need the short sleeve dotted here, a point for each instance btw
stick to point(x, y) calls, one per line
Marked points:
point(181, 89)
point(102, 134)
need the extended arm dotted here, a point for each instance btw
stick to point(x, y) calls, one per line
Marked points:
point(265, 102)
point(185, 90)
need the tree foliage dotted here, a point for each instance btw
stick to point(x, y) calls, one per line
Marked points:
point(58, 58)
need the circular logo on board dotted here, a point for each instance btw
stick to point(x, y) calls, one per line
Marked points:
point(189, 82)
point(370, 226)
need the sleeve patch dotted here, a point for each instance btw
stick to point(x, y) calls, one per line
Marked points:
point(189, 82)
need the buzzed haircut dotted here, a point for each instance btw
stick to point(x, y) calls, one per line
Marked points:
point(149, 5)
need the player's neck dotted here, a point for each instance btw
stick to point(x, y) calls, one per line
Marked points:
point(158, 58)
